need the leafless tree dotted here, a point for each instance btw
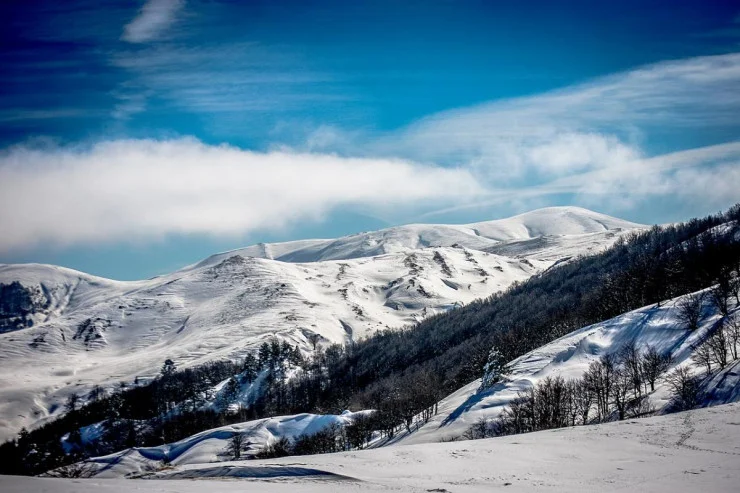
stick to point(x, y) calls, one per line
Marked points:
point(235, 444)
point(482, 428)
point(684, 388)
point(702, 355)
point(600, 378)
point(718, 346)
point(720, 294)
point(631, 362)
point(620, 388)
point(653, 366)
point(690, 310)
point(732, 328)
point(583, 399)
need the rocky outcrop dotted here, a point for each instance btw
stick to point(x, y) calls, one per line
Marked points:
point(19, 304)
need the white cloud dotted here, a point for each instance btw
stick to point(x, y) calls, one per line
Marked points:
point(129, 189)
point(705, 178)
point(598, 124)
point(153, 18)
point(594, 141)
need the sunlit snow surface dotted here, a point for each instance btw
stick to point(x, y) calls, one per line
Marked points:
point(568, 357)
point(694, 451)
point(97, 331)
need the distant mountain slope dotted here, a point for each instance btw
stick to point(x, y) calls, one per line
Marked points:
point(66, 331)
point(551, 221)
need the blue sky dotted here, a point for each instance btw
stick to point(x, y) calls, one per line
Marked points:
point(137, 137)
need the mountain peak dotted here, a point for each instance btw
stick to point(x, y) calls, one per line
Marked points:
point(548, 221)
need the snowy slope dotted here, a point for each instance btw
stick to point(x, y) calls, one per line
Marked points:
point(86, 331)
point(551, 221)
point(693, 451)
point(570, 356)
point(211, 445)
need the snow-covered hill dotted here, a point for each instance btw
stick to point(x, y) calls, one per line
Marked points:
point(66, 331)
point(212, 445)
point(657, 326)
point(549, 222)
point(691, 451)
point(568, 357)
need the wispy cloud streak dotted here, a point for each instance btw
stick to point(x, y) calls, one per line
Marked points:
point(154, 17)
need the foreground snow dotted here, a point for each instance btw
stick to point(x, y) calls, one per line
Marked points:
point(694, 451)
point(91, 331)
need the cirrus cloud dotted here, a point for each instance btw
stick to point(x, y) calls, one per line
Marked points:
point(153, 18)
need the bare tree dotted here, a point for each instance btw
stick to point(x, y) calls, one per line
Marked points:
point(684, 388)
point(600, 378)
point(731, 325)
point(690, 310)
point(482, 428)
point(279, 448)
point(720, 294)
point(631, 361)
point(702, 355)
point(620, 388)
point(653, 366)
point(583, 399)
point(360, 431)
point(717, 344)
point(735, 287)
point(235, 444)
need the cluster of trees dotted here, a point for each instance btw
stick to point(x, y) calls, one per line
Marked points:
point(166, 409)
point(615, 387)
point(402, 373)
point(722, 343)
point(639, 270)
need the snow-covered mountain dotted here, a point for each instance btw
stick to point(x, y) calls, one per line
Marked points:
point(568, 357)
point(65, 331)
point(554, 222)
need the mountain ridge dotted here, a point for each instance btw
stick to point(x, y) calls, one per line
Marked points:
point(96, 331)
point(548, 221)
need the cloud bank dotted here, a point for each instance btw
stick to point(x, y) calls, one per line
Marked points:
point(153, 18)
point(130, 189)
